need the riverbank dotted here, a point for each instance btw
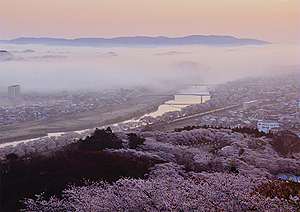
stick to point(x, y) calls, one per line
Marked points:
point(134, 108)
point(191, 120)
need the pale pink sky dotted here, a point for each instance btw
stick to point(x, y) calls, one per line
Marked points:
point(271, 20)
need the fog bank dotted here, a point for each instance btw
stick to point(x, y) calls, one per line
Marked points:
point(55, 68)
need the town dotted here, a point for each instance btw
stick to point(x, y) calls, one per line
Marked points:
point(263, 100)
point(16, 108)
point(266, 103)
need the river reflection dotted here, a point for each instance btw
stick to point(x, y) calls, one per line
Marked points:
point(286, 176)
point(188, 96)
point(15, 143)
point(180, 101)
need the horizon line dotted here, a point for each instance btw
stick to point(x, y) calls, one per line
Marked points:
point(134, 36)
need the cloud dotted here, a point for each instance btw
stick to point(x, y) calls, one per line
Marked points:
point(28, 51)
point(6, 56)
point(172, 53)
point(109, 54)
point(90, 68)
point(47, 57)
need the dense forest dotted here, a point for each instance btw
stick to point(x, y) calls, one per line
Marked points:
point(190, 169)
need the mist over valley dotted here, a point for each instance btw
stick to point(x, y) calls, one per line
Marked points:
point(47, 68)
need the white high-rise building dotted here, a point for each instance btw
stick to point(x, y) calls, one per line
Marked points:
point(14, 91)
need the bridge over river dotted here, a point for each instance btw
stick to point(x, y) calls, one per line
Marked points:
point(191, 90)
point(183, 94)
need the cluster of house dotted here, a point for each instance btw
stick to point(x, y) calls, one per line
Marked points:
point(16, 108)
point(267, 103)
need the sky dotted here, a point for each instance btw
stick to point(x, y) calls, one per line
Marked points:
point(276, 21)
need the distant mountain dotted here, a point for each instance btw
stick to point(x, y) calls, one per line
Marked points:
point(210, 40)
point(28, 51)
point(5, 55)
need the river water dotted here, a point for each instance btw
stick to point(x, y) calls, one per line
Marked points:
point(286, 176)
point(14, 143)
point(191, 95)
point(180, 101)
point(186, 97)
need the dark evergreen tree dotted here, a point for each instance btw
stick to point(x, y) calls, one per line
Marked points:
point(100, 140)
point(134, 140)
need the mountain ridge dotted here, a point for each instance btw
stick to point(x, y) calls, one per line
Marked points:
point(5, 56)
point(207, 40)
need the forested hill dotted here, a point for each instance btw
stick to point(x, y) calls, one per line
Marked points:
point(5, 55)
point(192, 169)
point(207, 40)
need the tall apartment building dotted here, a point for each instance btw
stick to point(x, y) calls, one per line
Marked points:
point(14, 92)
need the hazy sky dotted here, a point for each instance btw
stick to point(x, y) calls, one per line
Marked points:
point(271, 20)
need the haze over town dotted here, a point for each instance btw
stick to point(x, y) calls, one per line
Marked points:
point(57, 68)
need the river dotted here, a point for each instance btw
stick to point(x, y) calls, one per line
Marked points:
point(188, 96)
point(14, 143)
point(180, 101)
point(286, 176)
point(191, 95)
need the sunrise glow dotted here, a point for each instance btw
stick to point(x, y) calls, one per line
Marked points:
point(274, 21)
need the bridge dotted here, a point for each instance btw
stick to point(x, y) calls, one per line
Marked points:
point(183, 94)
point(193, 94)
point(200, 84)
point(186, 92)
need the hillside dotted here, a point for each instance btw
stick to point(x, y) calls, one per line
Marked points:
point(210, 40)
point(191, 169)
point(5, 55)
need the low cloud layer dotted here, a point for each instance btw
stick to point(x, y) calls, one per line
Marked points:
point(55, 68)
